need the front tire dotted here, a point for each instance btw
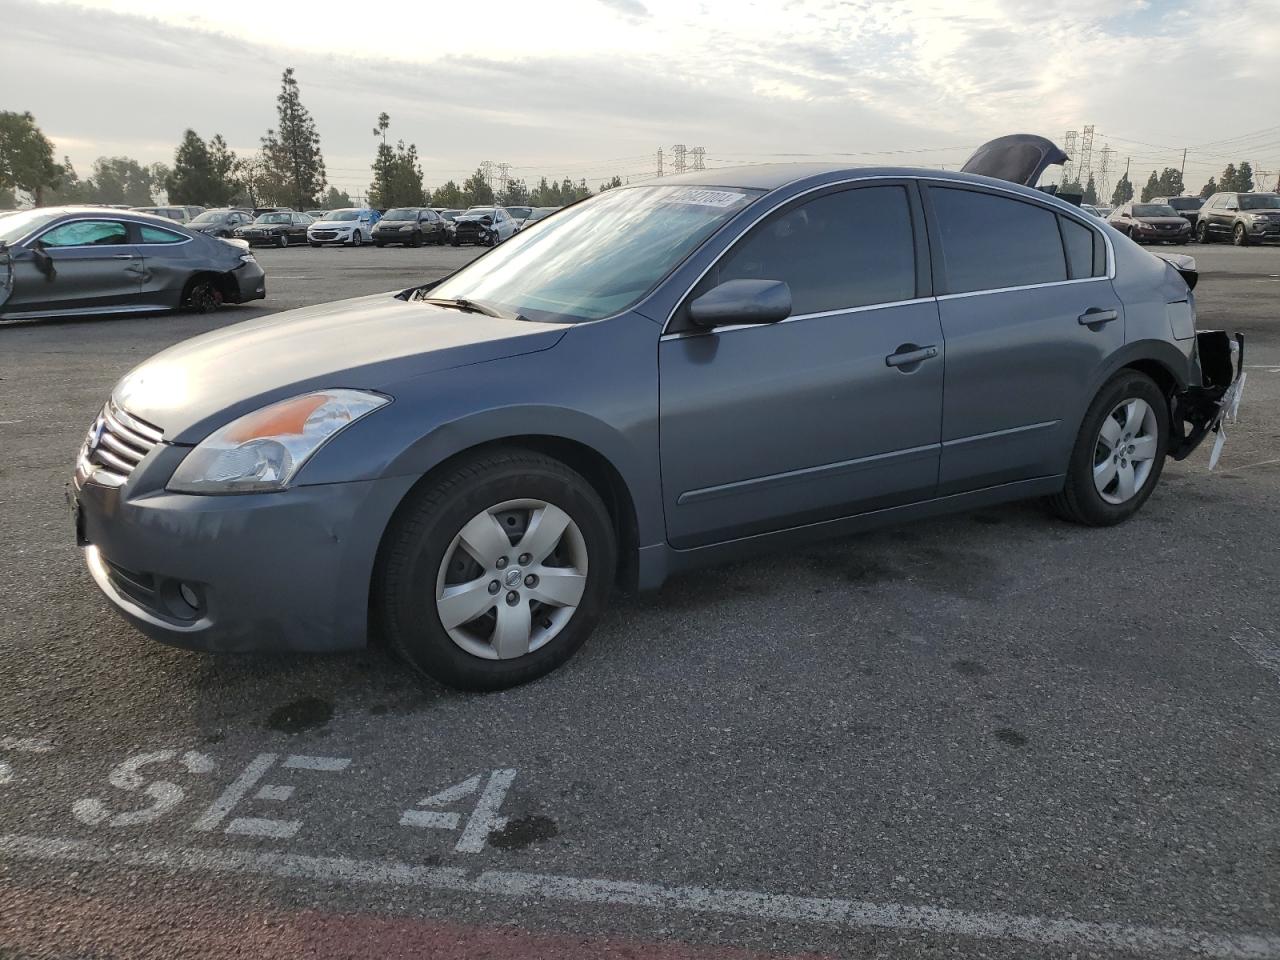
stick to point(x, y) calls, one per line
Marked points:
point(356, 238)
point(1119, 453)
point(282, 241)
point(202, 296)
point(496, 572)
point(1240, 236)
point(1202, 232)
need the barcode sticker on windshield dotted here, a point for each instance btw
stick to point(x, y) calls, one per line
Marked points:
point(707, 198)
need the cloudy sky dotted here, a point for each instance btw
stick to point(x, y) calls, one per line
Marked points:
point(590, 88)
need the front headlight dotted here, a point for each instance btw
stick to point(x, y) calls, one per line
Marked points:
point(265, 449)
point(407, 226)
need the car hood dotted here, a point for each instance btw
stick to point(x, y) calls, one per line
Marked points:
point(334, 224)
point(374, 342)
point(384, 222)
point(1162, 221)
point(475, 218)
point(262, 226)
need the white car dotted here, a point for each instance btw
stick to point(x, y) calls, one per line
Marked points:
point(353, 225)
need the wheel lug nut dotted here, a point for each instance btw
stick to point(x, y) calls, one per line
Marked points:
point(494, 586)
point(502, 562)
point(525, 558)
point(513, 598)
point(531, 581)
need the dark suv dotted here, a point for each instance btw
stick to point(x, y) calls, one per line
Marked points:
point(1245, 218)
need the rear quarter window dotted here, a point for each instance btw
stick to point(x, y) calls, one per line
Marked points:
point(990, 242)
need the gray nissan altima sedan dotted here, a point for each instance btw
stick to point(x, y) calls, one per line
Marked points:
point(74, 261)
point(659, 377)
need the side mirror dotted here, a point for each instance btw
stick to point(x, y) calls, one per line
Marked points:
point(742, 301)
point(44, 262)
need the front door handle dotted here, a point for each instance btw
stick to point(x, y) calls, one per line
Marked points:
point(125, 256)
point(905, 358)
point(1097, 316)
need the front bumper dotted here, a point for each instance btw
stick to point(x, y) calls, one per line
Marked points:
point(256, 239)
point(1198, 411)
point(329, 236)
point(278, 571)
point(251, 282)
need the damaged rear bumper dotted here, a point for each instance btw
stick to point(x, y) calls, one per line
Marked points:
point(1199, 411)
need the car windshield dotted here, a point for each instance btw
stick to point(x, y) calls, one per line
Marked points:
point(275, 218)
point(1154, 210)
point(15, 226)
point(210, 217)
point(519, 212)
point(401, 213)
point(344, 215)
point(451, 214)
point(1260, 201)
point(598, 257)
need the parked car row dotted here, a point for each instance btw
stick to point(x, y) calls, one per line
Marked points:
point(1242, 218)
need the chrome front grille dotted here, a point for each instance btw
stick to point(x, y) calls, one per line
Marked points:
point(116, 443)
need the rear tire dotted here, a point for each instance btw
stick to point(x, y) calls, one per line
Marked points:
point(422, 550)
point(1111, 447)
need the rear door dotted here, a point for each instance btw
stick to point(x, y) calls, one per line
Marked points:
point(167, 265)
point(769, 426)
point(1029, 316)
point(94, 266)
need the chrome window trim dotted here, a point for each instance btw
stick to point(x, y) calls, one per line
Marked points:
point(729, 328)
point(919, 179)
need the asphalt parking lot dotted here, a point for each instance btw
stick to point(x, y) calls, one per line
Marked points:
point(995, 735)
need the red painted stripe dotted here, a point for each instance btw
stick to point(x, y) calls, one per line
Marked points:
point(50, 923)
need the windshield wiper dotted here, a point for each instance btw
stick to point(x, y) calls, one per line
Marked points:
point(474, 306)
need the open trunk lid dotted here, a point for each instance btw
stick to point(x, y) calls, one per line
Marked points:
point(1018, 158)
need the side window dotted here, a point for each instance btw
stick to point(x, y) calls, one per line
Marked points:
point(848, 249)
point(160, 235)
point(1080, 242)
point(990, 242)
point(87, 233)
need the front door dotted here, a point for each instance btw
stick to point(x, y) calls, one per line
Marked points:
point(1030, 317)
point(91, 266)
point(818, 416)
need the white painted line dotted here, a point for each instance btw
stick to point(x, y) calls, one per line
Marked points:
point(323, 764)
point(26, 744)
point(219, 809)
point(848, 914)
point(258, 827)
point(274, 792)
point(431, 819)
point(485, 818)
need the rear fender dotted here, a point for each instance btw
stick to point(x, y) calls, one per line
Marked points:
point(6, 274)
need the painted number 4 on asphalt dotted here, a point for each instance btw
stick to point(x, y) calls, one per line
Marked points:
point(431, 812)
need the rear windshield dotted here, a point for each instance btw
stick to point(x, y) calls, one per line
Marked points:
point(1260, 201)
point(402, 213)
point(343, 215)
point(275, 218)
point(1186, 203)
point(1153, 210)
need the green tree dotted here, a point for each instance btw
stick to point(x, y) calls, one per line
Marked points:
point(70, 188)
point(1152, 187)
point(336, 199)
point(476, 191)
point(1123, 192)
point(7, 200)
point(223, 164)
point(516, 194)
point(449, 195)
point(610, 184)
point(121, 180)
point(1244, 177)
point(292, 149)
point(1170, 183)
point(1090, 191)
point(192, 180)
point(397, 176)
point(26, 156)
point(1227, 182)
point(1072, 187)
point(1209, 189)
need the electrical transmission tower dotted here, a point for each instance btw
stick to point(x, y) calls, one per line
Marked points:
point(1085, 167)
point(504, 178)
point(659, 161)
point(678, 153)
point(1104, 175)
point(1069, 148)
point(486, 172)
point(699, 157)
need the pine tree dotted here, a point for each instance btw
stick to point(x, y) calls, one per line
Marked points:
point(336, 199)
point(223, 164)
point(191, 181)
point(448, 196)
point(516, 194)
point(1227, 182)
point(70, 188)
point(292, 149)
point(475, 191)
point(1123, 192)
point(121, 180)
point(617, 182)
point(397, 177)
point(1244, 177)
point(1170, 183)
point(1209, 189)
point(1152, 188)
point(1090, 191)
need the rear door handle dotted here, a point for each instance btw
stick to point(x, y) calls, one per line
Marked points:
point(1096, 315)
point(908, 357)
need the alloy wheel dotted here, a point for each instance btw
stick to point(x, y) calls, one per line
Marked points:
point(511, 579)
point(1125, 450)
